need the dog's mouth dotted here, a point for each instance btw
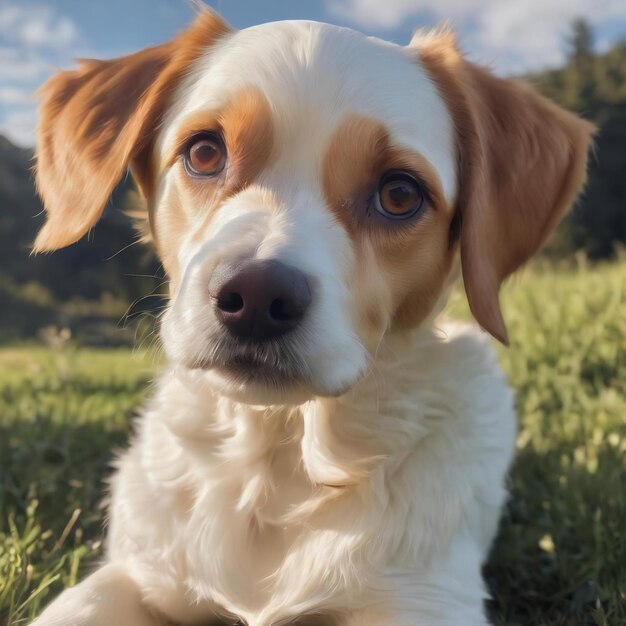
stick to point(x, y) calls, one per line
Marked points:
point(270, 372)
point(246, 369)
point(266, 365)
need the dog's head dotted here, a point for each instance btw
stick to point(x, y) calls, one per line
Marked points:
point(308, 188)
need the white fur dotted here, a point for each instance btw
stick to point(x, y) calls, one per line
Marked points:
point(370, 494)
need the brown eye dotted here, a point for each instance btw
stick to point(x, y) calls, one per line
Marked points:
point(400, 196)
point(205, 155)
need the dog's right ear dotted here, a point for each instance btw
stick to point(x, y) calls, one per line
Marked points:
point(101, 118)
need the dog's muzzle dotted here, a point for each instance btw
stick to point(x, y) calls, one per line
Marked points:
point(257, 304)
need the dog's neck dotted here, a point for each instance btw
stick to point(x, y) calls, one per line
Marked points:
point(337, 441)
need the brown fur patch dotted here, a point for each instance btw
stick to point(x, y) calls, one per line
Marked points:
point(521, 163)
point(248, 129)
point(97, 119)
point(415, 255)
point(245, 123)
point(358, 154)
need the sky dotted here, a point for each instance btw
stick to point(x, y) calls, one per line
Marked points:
point(38, 37)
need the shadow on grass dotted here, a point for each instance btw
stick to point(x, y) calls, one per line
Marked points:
point(560, 555)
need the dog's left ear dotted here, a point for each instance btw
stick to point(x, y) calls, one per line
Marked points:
point(521, 163)
point(101, 118)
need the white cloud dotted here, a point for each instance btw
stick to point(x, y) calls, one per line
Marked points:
point(36, 40)
point(21, 66)
point(19, 126)
point(36, 26)
point(14, 95)
point(511, 36)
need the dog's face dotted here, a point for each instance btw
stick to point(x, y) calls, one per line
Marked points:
point(308, 189)
point(302, 206)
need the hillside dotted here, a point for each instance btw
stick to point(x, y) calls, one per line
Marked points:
point(84, 285)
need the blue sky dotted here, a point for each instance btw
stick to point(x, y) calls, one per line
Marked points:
point(38, 37)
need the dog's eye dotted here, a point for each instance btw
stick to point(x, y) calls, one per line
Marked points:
point(205, 155)
point(399, 196)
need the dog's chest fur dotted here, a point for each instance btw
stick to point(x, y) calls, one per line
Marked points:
point(270, 514)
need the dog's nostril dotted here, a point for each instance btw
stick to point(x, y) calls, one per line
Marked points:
point(280, 312)
point(230, 302)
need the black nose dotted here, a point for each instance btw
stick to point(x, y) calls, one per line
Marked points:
point(259, 299)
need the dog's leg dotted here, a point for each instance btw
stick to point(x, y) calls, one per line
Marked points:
point(109, 597)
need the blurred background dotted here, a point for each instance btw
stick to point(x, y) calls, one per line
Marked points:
point(77, 327)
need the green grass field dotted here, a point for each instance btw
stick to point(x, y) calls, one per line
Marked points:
point(560, 558)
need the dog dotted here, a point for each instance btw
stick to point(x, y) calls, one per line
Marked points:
point(322, 447)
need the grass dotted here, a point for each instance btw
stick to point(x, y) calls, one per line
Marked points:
point(560, 557)
point(62, 415)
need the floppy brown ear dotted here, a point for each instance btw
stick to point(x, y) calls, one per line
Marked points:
point(97, 120)
point(521, 163)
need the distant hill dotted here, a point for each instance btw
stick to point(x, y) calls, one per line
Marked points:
point(89, 285)
point(84, 285)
